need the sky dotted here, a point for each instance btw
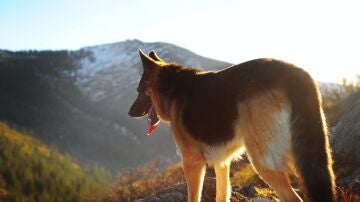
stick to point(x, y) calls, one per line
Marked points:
point(321, 36)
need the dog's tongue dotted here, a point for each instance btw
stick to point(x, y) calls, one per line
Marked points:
point(153, 121)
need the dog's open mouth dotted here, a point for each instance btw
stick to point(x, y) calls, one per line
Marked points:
point(153, 121)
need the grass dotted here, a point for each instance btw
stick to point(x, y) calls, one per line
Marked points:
point(148, 179)
point(143, 181)
point(244, 176)
point(31, 171)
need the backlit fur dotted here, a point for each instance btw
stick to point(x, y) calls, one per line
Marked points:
point(268, 107)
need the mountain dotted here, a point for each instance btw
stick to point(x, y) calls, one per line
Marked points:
point(109, 72)
point(78, 100)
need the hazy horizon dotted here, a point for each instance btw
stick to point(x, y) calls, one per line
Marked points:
point(320, 36)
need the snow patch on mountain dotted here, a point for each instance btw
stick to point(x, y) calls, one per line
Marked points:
point(110, 72)
point(106, 56)
point(108, 69)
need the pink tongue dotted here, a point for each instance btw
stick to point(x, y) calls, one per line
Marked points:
point(151, 127)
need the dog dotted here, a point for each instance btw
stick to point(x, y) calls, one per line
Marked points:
point(267, 106)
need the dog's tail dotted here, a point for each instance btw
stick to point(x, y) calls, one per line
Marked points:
point(310, 143)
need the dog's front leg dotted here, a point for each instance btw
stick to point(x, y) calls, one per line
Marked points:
point(223, 188)
point(194, 170)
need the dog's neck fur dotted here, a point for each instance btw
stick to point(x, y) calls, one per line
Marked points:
point(169, 83)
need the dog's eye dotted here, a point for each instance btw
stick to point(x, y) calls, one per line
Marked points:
point(142, 88)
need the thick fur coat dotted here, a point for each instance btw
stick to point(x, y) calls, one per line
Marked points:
point(268, 107)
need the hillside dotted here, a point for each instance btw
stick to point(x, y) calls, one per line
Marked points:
point(30, 171)
point(78, 100)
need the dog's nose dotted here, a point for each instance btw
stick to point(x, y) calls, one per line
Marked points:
point(131, 113)
point(136, 113)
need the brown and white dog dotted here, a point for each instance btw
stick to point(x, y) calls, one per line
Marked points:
point(269, 107)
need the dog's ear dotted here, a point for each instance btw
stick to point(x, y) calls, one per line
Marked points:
point(148, 62)
point(155, 57)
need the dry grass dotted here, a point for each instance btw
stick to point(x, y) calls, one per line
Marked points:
point(143, 181)
point(346, 195)
point(333, 97)
point(148, 179)
point(244, 176)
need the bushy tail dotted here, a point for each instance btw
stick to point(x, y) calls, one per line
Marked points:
point(309, 139)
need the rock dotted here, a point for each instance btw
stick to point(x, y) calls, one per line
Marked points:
point(345, 140)
point(346, 133)
point(248, 190)
point(263, 199)
point(178, 193)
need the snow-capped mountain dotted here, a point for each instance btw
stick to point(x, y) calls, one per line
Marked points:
point(78, 100)
point(109, 70)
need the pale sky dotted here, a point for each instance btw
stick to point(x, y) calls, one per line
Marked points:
point(322, 36)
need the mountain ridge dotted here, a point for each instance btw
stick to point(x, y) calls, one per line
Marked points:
point(85, 113)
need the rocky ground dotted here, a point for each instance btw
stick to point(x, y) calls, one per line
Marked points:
point(178, 193)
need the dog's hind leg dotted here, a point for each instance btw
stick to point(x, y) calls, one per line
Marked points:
point(280, 182)
point(266, 126)
point(223, 188)
point(194, 170)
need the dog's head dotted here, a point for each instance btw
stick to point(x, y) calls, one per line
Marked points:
point(143, 105)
